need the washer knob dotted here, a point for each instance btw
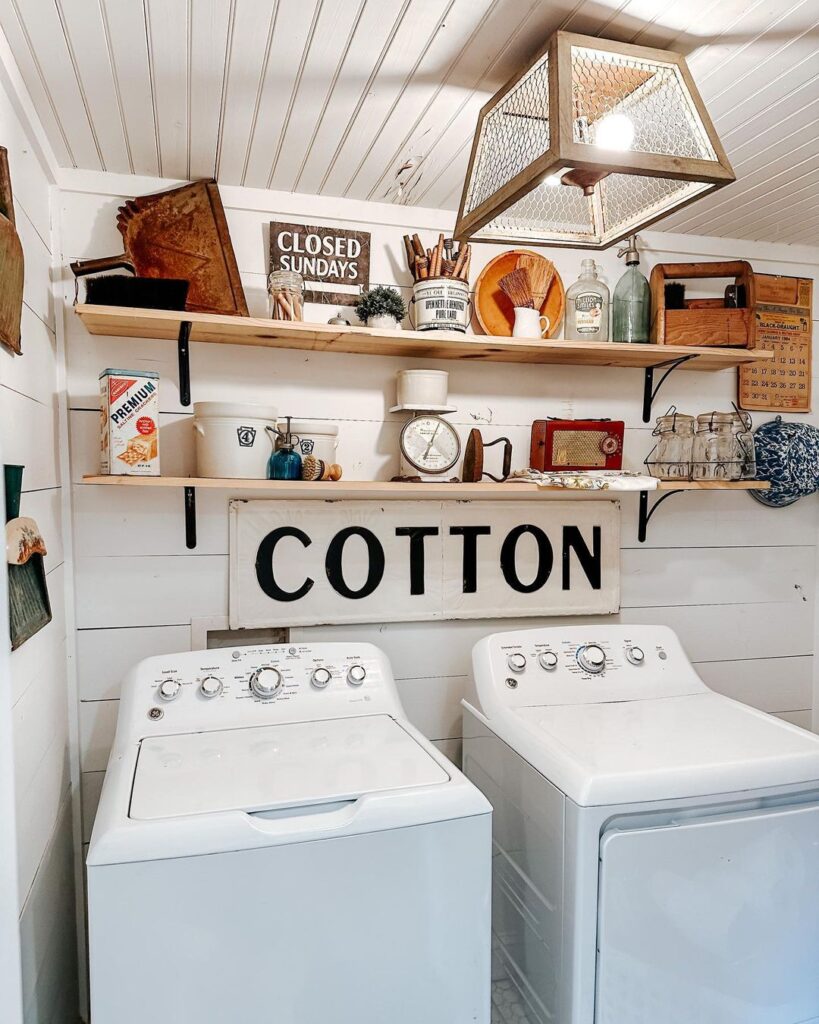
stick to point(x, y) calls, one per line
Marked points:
point(266, 682)
point(548, 660)
point(635, 655)
point(321, 677)
point(211, 686)
point(356, 675)
point(169, 689)
point(516, 662)
point(591, 658)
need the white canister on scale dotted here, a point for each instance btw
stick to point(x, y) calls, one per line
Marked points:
point(231, 439)
point(315, 437)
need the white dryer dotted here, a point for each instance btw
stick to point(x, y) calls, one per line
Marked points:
point(276, 843)
point(656, 845)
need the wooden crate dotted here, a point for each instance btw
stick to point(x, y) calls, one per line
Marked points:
point(703, 322)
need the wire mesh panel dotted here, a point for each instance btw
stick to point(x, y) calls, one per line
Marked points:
point(513, 134)
point(624, 102)
point(628, 199)
point(567, 212)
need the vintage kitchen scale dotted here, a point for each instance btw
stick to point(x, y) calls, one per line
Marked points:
point(429, 446)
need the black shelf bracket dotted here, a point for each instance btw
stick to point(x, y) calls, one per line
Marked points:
point(190, 517)
point(184, 363)
point(650, 389)
point(646, 513)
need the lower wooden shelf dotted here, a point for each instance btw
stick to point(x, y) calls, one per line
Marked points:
point(376, 490)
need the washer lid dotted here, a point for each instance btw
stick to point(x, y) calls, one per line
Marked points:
point(266, 767)
point(663, 749)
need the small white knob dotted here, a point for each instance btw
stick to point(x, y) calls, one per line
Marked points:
point(592, 658)
point(266, 682)
point(356, 675)
point(635, 655)
point(548, 660)
point(211, 686)
point(516, 662)
point(169, 689)
point(320, 678)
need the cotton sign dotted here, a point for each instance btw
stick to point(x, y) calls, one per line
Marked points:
point(314, 563)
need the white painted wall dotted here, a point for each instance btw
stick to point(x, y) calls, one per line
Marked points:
point(40, 714)
point(736, 580)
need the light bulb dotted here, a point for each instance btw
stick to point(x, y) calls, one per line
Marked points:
point(614, 131)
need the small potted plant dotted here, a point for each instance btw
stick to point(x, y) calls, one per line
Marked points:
point(381, 307)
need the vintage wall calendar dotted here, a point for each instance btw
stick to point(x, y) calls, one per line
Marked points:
point(783, 311)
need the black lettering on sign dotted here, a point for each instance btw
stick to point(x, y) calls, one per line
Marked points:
point(335, 551)
point(591, 562)
point(470, 535)
point(545, 558)
point(264, 565)
point(416, 535)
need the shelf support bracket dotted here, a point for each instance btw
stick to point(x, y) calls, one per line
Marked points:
point(650, 389)
point(646, 513)
point(190, 517)
point(184, 362)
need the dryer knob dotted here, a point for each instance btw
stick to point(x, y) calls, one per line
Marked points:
point(320, 678)
point(517, 662)
point(591, 658)
point(169, 689)
point(356, 675)
point(635, 655)
point(548, 660)
point(211, 686)
point(266, 682)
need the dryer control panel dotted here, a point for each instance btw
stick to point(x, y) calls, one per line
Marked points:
point(581, 665)
point(259, 685)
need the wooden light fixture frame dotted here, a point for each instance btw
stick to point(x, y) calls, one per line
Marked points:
point(564, 153)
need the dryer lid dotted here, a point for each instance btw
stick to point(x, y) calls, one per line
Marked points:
point(663, 749)
point(267, 767)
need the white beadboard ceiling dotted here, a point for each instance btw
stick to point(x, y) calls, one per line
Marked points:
point(377, 99)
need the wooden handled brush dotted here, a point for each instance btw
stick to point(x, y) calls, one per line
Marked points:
point(517, 288)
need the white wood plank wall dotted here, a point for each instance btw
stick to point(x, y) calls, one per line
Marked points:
point(737, 581)
point(29, 429)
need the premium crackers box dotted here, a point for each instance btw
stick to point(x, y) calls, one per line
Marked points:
point(129, 443)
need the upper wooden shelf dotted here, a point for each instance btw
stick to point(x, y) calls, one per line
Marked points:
point(121, 321)
point(377, 490)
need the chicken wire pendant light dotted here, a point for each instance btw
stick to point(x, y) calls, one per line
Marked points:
point(591, 142)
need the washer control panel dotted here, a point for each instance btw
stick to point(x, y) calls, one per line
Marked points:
point(581, 664)
point(259, 685)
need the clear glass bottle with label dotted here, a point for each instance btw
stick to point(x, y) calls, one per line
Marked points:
point(587, 307)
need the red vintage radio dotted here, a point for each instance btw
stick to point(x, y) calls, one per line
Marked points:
point(559, 445)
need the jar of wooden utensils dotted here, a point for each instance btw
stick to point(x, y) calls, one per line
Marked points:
point(286, 291)
point(440, 294)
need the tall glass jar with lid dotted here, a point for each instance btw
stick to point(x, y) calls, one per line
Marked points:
point(671, 458)
point(718, 454)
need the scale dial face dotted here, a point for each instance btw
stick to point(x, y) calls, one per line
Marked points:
point(430, 444)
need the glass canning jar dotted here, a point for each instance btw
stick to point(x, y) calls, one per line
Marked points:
point(672, 455)
point(718, 453)
point(285, 289)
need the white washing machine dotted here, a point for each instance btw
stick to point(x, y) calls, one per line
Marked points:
point(656, 845)
point(276, 843)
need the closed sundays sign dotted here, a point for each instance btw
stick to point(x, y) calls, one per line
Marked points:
point(334, 262)
point(315, 563)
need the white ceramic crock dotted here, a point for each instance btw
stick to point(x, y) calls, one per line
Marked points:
point(425, 388)
point(231, 440)
point(315, 437)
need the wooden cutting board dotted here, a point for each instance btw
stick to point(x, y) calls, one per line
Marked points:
point(493, 309)
point(11, 263)
point(181, 234)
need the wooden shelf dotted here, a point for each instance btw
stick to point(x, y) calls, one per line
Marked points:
point(375, 490)
point(124, 322)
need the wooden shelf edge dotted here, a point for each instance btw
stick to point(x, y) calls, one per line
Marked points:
point(122, 321)
point(387, 490)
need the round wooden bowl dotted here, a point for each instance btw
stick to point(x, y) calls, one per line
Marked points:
point(494, 311)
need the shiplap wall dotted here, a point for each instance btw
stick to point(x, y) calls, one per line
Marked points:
point(736, 580)
point(29, 429)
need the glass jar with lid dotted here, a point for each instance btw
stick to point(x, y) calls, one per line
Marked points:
point(718, 452)
point(671, 458)
point(285, 289)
